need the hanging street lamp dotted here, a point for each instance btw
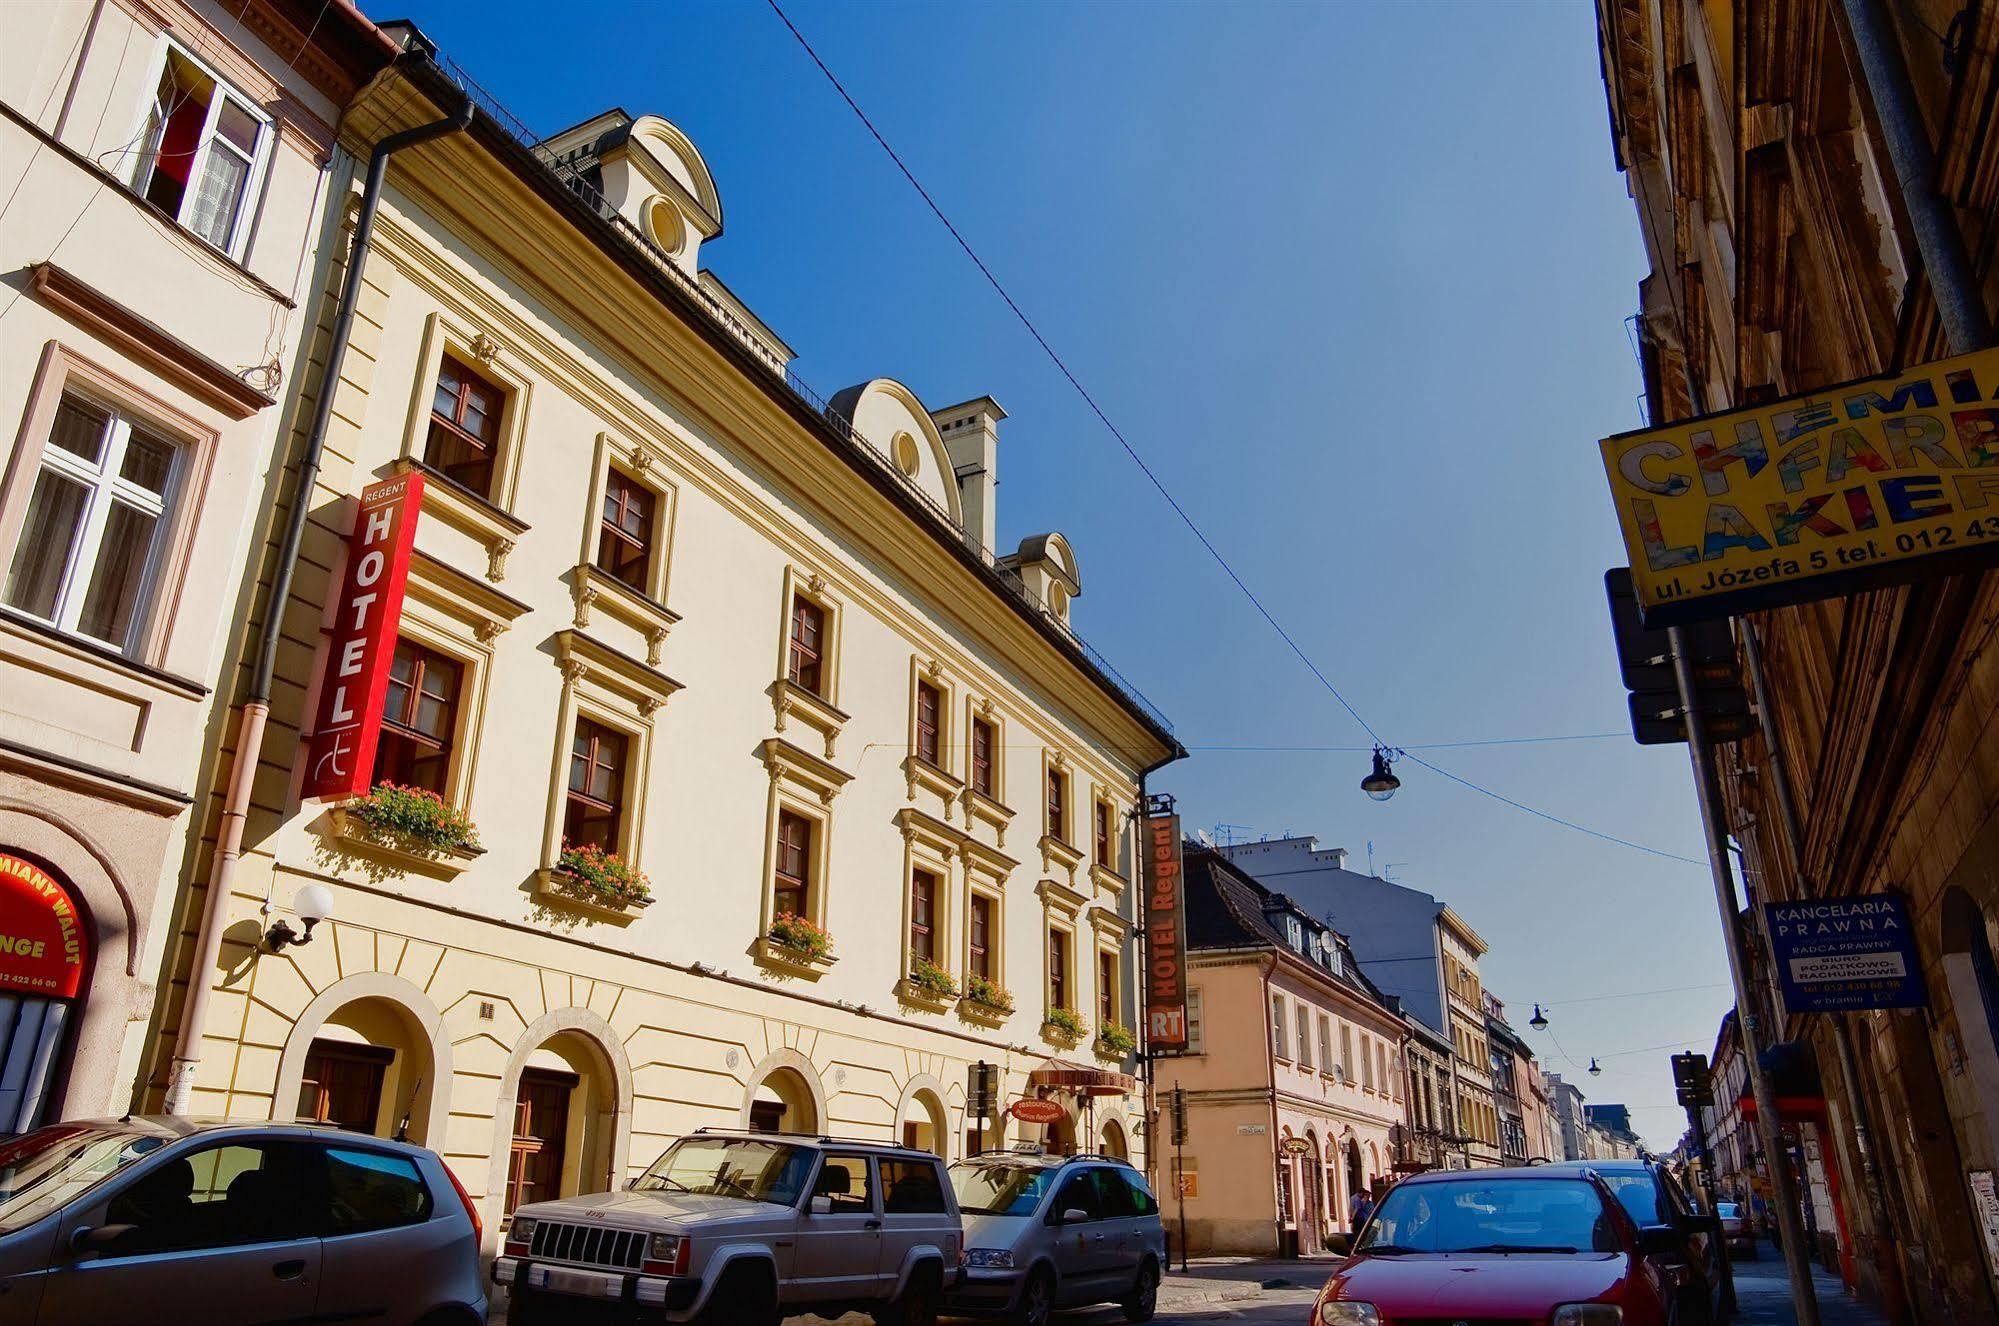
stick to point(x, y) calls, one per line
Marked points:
point(1539, 1021)
point(1381, 782)
point(1594, 1071)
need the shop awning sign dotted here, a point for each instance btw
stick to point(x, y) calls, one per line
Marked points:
point(340, 758)
point(1876, 481)
point(1838, 955)
point(42, 944)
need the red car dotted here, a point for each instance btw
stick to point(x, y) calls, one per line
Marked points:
point(1500, 1245)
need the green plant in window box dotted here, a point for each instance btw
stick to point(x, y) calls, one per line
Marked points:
point(1066, 1022)
point(414, 818)
point(1114, 1039)
point(930, 979)
point(988, 994)
point(594, 872)
point(792, 931)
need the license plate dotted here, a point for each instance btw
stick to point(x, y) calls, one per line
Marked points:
point(572, 1280)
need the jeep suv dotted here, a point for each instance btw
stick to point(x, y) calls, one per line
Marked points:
point(1045, 1232)
point(740, 1229)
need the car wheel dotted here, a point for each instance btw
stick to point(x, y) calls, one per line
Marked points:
point(1143, 1300)
point(745, 1297)
point(1036, 1301)
point(920, 1300)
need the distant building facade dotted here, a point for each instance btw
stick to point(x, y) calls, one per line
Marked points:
point(1286, 1126)
point(1421, 951)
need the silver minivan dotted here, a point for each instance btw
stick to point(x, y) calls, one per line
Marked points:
point(1045, 1232)
point(105, 1221)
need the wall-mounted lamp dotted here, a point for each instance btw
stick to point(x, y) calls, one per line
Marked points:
point(312, 904)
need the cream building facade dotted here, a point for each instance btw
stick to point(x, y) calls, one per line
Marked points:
point(1283, 1127)
point(168, 167)
point(666, 604)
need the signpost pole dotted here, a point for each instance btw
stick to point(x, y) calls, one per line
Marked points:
point(1804, 1299)
point(1180, 1166)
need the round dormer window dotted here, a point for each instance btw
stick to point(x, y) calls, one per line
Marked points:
point(665, 228)
point(1058, 599)
point(903, 451)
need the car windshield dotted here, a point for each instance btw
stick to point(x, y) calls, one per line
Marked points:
point(1637, 1194)
point(48, 1167)
point(999, 1187)
point(755, 1171)
point(1491, 1215)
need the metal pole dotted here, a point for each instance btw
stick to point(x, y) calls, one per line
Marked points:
point(1180, 1168)
point(1804, 1299)
point(1953, 284)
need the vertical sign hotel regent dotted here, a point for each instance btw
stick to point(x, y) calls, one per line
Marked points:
point(794, 796)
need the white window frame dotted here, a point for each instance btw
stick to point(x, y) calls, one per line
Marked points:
point(1197, 1029)
point(146, 159)
point(106, 488)
point(1280, 1043)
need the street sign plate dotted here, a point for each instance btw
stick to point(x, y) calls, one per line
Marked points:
point(1656, 719)
point(1644, 656)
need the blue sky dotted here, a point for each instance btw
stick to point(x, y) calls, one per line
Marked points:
point(1353, 279)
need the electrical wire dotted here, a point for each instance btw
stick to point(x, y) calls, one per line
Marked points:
point(1171, 501)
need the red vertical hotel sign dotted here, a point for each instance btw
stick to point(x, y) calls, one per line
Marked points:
point(340, 758)
point(1165, 936)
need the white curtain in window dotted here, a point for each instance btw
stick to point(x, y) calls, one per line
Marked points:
point(218, 195)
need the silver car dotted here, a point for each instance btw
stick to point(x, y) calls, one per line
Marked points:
point(106, 1221)
point(1045, 1232)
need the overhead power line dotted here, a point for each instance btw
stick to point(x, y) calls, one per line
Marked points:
point(1153, 478)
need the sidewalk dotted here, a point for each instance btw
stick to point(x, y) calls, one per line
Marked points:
point(1763, 1296)
point(1239, 1279)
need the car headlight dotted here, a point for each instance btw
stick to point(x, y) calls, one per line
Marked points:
point(1588, 1314)
point(663, 1248)
point(1345, 1312)
point(1000, 1258)
point(522, 1230)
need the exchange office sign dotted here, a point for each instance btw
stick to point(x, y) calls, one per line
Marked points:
point(1840, 954)
point(41, 935)
point(1876, 481)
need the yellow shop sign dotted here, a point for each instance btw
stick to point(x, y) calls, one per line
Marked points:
point(1868, 483)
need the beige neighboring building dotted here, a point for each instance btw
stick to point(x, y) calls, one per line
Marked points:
point(1478, 1109)
point(165, 221)
point(665, 604)
point(1293, 1073)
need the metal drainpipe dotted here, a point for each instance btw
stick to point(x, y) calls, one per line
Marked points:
point(1879, 1228)
point(256, 709)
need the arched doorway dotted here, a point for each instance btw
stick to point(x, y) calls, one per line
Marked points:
point(1113, 1143)
point(1356, 1175)
point(564, 1131)
point(782, 1102)
point(1312, 1212)
point(922, 1123)
point(369, 1068)
point(1059, 1137)
point(44, 978)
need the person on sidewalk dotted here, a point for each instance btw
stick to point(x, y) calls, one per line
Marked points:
point(1360, 1208)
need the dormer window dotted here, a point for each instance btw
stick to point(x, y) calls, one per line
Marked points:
point(1295, 933)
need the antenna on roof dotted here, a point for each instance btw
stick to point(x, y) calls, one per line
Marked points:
point(1227, 833)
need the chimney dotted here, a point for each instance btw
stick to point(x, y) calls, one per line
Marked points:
point(1338, 856)
point(971, 437)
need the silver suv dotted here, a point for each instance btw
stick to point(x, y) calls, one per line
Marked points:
point(741, 1229)
point(1045, 1232)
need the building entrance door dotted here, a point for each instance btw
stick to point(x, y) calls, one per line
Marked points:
point(541, 1132)
point(342, 1084)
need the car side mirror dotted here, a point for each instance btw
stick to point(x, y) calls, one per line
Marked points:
point(1074, 1215)
point(1660, 1241)
point(97, 1238)
point(1340, 1245)
point(822, 1206)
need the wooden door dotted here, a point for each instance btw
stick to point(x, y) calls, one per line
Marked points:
point(342, 1084)
point(541, 1131)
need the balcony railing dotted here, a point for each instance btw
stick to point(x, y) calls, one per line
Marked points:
point(858, 446)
